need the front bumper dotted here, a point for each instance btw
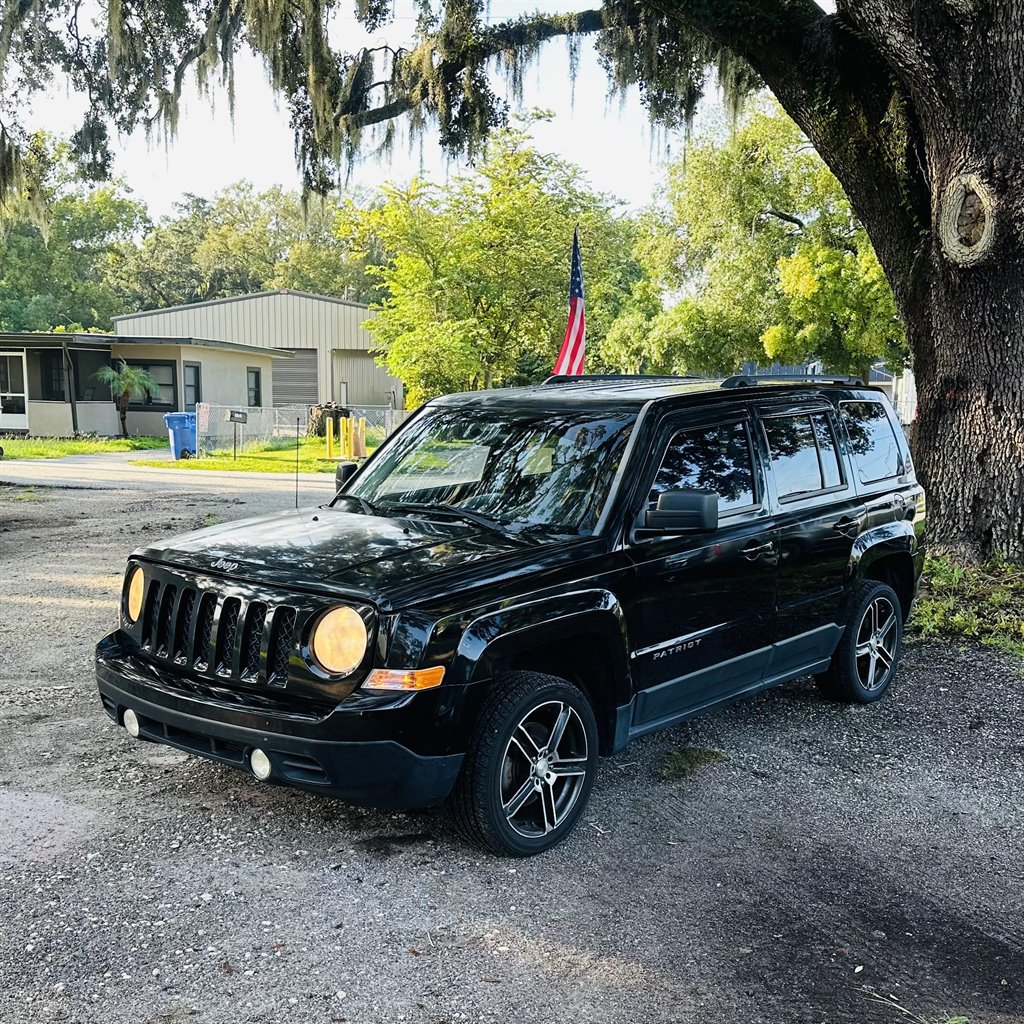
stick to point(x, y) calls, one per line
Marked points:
point(354, 752)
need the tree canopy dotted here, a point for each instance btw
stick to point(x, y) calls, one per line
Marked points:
point(759, 239)
point(241, 241)
point(476, 272)
point(57, 275)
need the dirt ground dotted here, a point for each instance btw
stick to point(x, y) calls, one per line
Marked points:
point(839, 861)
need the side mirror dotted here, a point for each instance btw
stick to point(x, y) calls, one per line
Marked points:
point(684, 511)
point(344, 473)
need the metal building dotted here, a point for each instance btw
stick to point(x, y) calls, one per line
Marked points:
point(330, 349)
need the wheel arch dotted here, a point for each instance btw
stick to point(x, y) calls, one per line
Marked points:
point(888, 557)
point(582, 639)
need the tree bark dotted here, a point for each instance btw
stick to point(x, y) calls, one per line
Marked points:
point(918, 108)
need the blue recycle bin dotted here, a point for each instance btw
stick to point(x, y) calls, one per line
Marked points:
point(181, 428)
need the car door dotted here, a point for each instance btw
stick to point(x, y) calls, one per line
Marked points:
point(818, 514)
point(700, 617)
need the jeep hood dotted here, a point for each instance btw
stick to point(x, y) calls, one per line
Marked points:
point(373, 556)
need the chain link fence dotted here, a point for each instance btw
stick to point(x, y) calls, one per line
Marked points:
point(270, 431)
point(266, 428)
point(381, 420)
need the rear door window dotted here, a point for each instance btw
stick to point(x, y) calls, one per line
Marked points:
point(714, 458)
point(876, 452)
point(804, 455)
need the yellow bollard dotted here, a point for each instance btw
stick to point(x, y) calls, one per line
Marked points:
point(329, 425)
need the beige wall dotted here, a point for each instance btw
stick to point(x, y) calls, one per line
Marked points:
point(223, 377)
point(98, 418)
point(224, 374)
point(49, 419)
point(283, 320)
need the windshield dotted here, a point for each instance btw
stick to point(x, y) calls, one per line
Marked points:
point(545, 469)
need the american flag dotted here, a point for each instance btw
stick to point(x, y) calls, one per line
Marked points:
point(574, 347)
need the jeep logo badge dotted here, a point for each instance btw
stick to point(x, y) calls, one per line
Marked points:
point(223, 563)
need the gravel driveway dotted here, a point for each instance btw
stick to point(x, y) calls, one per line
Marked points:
point(839, 860)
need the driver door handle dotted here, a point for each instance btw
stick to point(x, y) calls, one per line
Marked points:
point(753, 550)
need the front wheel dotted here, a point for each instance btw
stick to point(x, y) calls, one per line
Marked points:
point(865, 661)
point(530, 767)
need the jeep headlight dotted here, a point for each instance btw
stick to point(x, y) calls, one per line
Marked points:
point(338, 641)
point(136, 592)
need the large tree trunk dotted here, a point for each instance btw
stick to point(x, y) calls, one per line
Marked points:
point(967, 337)
point(918, 108)
point(962, 292)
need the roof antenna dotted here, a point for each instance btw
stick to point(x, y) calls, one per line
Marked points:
point(296, 461)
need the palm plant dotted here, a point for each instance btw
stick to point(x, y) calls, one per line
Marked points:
point(126, 383)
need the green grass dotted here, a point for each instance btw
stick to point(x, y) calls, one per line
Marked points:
point(58, 447)
point(30, 494)
point(687, 761)
point(976, 602)
point(271, 457)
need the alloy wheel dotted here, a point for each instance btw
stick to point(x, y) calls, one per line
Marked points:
point(876, 643)
point(543, 768)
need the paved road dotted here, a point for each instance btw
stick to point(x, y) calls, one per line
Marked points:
point(114, 470)
point(837, 858)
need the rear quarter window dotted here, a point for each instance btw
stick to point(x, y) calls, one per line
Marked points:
point(876, 452)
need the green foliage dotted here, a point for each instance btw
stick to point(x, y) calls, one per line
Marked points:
point(688, 761)
point(761, 243)
point(58, 447)
point(126, 383)
point(477, 270)
point(241, 241)
point(132, 65)
point(54, 269)
point(980, 602)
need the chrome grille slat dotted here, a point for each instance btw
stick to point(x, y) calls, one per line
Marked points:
point(227, 629)
point(280, 645)
point(183, 625)
point(164, 621)
point(252, 639)
point(204, 631)
point(150, 611)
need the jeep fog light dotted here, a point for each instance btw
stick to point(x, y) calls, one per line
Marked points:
point(136, 591)
point(260, 765)
point(338, 642)
point(404, 679)
point(131, 723)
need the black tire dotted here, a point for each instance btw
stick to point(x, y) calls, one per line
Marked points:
point(508, 760)
point(866, 659)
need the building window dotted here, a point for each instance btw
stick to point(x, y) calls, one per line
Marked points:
point(87, 363)
point(165, 395)
point(52, 376)
point(254, 380)
point(193, 385)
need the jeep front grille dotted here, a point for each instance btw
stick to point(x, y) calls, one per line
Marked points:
point(216, 635)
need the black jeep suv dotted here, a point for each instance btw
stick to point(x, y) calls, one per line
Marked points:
point(518, 581)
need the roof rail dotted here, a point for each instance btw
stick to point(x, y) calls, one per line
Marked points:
point(745, 380)
point(562, 378)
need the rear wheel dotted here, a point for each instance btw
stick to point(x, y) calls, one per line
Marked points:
point(865, 661)
point(530, 767)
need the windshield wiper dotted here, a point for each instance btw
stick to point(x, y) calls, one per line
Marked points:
point(366, 507)
point(450, 511)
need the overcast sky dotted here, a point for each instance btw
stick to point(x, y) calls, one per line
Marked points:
point(612, 142)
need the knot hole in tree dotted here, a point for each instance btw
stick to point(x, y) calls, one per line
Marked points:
point(967, 221)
